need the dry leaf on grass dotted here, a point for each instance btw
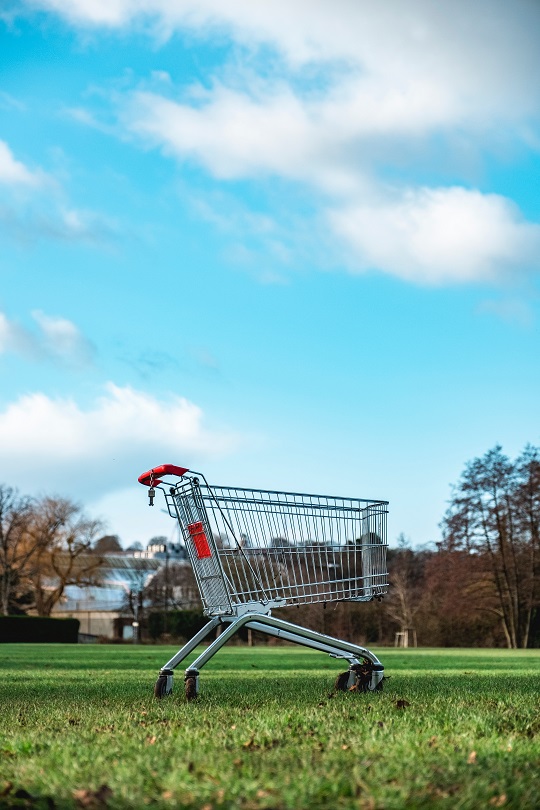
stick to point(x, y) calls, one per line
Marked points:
point(443, 793)
point(402, 704)
point(93, 798)
point(498, 801)
point(471, 759)
point(7, 787)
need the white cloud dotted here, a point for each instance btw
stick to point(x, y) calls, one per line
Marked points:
point(343, 92)
point(45, 216)
point(423, 235)
point(15, 338)
point(63, 340)
point(9, 102)
point(436, 236)
point(57, 340)
point(55, 445)
point(93, 12)
point(479, 55)
point(79, 225)
point(231, 135)
point(10, 335)
point(332, 139)
point(33, 205)
point(15, 173)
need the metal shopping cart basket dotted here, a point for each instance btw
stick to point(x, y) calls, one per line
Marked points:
point(255, 550)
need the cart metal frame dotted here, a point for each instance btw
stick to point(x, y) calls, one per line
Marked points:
point(256, 550)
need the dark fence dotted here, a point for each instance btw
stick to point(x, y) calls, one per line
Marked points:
point(38, 629)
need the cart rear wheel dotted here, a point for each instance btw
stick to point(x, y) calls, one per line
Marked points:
point(191, 688)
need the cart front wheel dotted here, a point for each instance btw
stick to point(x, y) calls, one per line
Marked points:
point(164, 685)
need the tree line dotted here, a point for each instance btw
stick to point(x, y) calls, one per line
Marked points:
point(478, 585)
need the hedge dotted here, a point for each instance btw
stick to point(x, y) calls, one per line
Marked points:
point(177, 623)
point(38, 629)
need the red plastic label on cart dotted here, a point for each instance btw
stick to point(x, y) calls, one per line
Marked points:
point(202, 549)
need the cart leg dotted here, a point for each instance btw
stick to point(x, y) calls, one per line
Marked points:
point(191, 677)
point(304, 633)
point(291, 632)
point(334, 651)
point(164, 683)
point(362, 677)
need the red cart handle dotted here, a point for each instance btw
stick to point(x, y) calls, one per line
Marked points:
point(152, 476)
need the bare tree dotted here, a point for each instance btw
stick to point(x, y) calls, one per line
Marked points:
point(406, 577)
point(62, 537)
point(16, 545)
point(495, 510)
point(173, 587)
point(527, 503)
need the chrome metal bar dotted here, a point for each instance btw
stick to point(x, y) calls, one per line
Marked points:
point(312, 635)
point(211, 650)
point(192, 643)
point(306, 642)
point(301, 635)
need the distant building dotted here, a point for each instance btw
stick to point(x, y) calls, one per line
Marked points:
point(174, 552)
point(103, 609)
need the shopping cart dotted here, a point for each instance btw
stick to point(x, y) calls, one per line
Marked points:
point(255, 550)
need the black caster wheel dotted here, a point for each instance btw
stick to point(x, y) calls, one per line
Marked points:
point(191, 684)
point(364, 677)
point(191, 688)
point(164, 685)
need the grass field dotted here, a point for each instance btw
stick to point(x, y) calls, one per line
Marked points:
point(264, 732)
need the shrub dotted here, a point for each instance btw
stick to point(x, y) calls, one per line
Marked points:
point(38, 629)
point(176, 623)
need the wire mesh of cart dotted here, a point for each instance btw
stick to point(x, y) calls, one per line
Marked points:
point(256, 550)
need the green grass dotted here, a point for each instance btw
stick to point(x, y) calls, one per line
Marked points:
point(265, 734)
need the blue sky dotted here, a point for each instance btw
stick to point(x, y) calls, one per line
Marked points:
point(292, 245)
